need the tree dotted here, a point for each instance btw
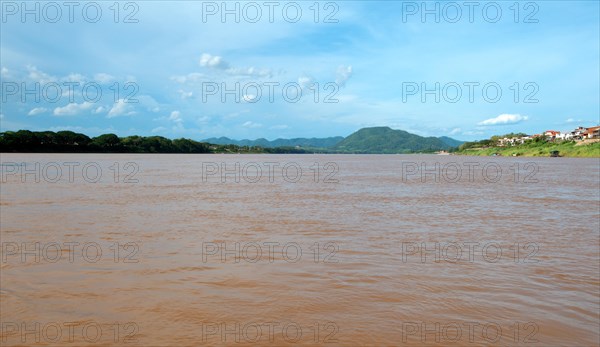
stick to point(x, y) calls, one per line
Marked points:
point(69, 138)
point(106, 142)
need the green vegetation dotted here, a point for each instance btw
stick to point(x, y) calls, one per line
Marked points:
point(377, 140)
point(538, 147)
point(71, 142)
point(380, 140)
point(388, 141)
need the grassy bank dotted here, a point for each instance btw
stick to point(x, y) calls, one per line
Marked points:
point(540, 149)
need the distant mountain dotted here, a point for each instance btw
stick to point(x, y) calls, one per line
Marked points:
point(387, 140)
point(450, 141)
point(302, 142)
point(366, 140)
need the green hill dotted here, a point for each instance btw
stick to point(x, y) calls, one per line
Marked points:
point(387, 140)
point(450, 141)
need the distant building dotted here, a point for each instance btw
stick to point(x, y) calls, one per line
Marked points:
point(564, 136)
point(552, 134)
point(511, 141)
point(593, 132)
point(579, 133)
point(505, 142)
point(525, 138)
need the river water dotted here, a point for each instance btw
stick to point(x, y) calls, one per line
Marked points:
point(338, 250)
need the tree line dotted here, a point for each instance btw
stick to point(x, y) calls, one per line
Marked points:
point(72, 142)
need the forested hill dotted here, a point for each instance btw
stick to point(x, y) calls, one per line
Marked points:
point(387, 140)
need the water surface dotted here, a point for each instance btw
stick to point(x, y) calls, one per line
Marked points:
point(386, 258)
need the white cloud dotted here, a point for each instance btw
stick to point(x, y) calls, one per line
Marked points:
point(455, 131)
point(175, 117)
point(120, 108)
point(75, 77)
point(176, 126)
point(191, 77)
point(249, 72)
point(279, 127)
point(185, 95)
point(213, 61)
point(203, 119)
point(4, 71)
point(305, 81)
point(148, 102)
point(250, 98)
point(68, 93)
point(103, 78)
point(39, 76)
point(343, 74)
point(37, 111)
point(252, 125)
point(179, 79)
point(72, 109)
point(100, 109)
point(217, 62)
point(504, 119)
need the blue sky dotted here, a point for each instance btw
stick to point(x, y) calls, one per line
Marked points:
point(162, 67)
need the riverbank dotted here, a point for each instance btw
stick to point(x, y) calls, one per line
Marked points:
point(583, 149)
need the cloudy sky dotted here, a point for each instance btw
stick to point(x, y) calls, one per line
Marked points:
point(295, 69)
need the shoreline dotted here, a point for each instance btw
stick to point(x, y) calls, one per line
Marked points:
point(478, 154)
point(567, 149)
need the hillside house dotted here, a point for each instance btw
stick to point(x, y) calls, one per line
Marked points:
point(551, 134)
point(593, 132)
point(511, 141)
point(564, 136)
point(579, 133)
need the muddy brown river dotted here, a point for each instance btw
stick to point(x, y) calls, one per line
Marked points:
point(272, 250)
